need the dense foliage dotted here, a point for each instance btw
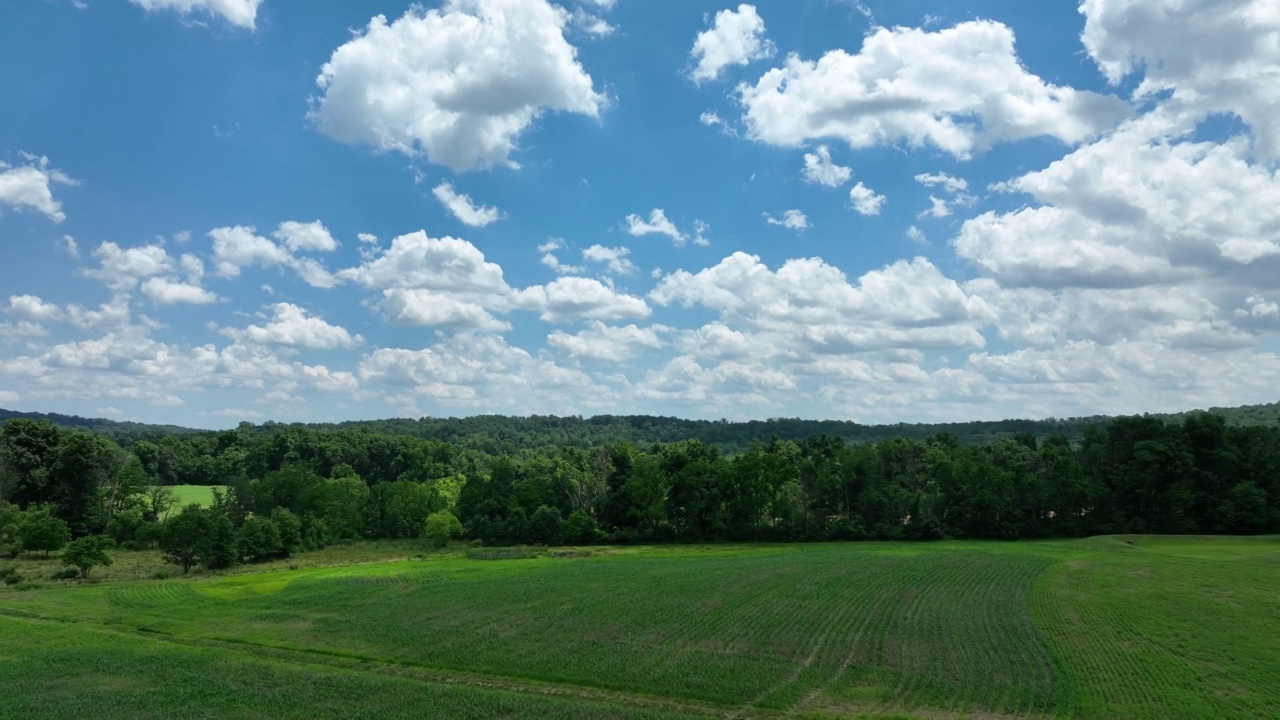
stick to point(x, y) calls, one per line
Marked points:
point(291, 487)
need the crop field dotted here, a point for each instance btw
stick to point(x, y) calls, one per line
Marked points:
point(1102, 628)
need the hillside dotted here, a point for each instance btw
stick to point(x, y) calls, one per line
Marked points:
point(496, 433)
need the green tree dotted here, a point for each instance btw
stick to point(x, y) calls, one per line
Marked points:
point(222, 548)
point(545, 526)
point(86, 553)
point(40, 530)
point(580, 528)
point(10, 529)
point(185, 539)
point(257, 539)
point(160, 500)
point(290, 529)
point(441, 527)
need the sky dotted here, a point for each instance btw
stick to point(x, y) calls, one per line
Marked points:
point(215, 211)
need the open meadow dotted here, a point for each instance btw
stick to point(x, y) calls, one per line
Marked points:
point(1109, 627)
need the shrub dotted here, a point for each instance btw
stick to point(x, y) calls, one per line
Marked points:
point(65, 574)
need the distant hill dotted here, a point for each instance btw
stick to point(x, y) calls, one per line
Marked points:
point(497, 433)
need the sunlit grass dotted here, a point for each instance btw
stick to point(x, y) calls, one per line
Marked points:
point(1122, 627)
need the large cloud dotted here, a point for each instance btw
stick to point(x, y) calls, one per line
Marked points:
point(458, 85)
point(1215, 55)
point(1134, 209)
point(960, 89)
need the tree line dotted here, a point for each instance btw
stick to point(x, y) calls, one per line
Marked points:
point(286, 488)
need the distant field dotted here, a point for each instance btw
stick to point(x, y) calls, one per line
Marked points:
point(199, 494)
point(1100, 628)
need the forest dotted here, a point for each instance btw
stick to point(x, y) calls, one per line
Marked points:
point(283, 488)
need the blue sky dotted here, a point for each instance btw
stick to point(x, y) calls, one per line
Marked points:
point(225, 210)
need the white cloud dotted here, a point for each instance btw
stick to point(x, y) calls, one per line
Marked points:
point(291, 326)
point(420, 306)
point(168, 292)
point(615, 258)
point(791, 219)
point(441, 282)
point(603, 342)
point(467, 212)
point(808, 305)
point(574, 298)
point(30, 186)
point(657, 224)
point(735, 38)
point(238, 247)
point(241, 13)
point(458, 85)
point(591, 23)
point(31, 307)
point(938, 208)
point(299, 236)
point(865, 200)
point(1135, 209)
point(947, 182)
point(712, 119)
point(481, 372)
point(1214, 56)
point(960, 89)
point(916, 235)
point(122, 268)
point(821, 170)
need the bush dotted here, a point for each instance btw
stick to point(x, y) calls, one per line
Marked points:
point(28, 586)
point(441, 527)
point(13, 578)
point(66, 574)
point(160, 575)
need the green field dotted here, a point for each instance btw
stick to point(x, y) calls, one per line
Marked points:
point(1098, 628)
point(201, 495)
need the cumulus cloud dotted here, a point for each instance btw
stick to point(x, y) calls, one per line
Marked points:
point(736, 37)
point(291, 326)
point(614, 259)
point(30, 187)
point(462, 207)
point(239, 246)
point(421, 306)
point(241, 13)
point(457, 85)
point(32, 307)
point(605, 342)
point(791, 219)
point(865, 200)
point(477, 371)
point(167, 291)
point(1213, 57)
point(820, 169)
point(577, 298)
point(808, 304)
point(122, 268)
point(960, 89)
point(657, 224)
point(1131, 210)
point(298, 236)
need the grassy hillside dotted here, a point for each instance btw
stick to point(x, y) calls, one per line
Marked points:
point(1102, 628)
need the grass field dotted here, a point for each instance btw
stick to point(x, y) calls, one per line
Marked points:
point(1099, 628)
point(201, 495)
